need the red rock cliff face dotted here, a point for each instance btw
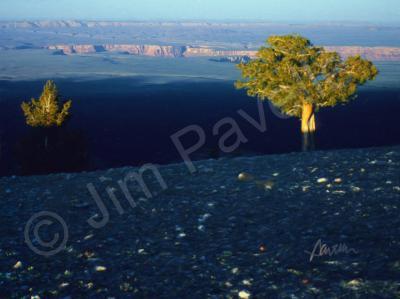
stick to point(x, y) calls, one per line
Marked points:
point(72, 49)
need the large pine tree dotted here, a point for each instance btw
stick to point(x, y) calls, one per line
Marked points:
point(299, 78)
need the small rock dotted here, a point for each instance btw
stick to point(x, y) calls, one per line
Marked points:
point(322, 180)
point(100, 268)
point(64, 285)
point(268, 185)
point(339, 192)
point(355, 283)
point(244, 177)
point(235, 270)
point(338, 180)
point(228, 284)
point(246, 282)
point(18, 265)
point(88, 237)
point(244, 294)
point(181, 235)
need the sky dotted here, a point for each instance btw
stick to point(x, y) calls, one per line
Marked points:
point(372, 11)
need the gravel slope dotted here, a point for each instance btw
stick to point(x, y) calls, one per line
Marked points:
point(213, 234)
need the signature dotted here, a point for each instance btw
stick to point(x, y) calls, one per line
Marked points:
point(321, 249)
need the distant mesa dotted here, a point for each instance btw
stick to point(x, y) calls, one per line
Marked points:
point(139, 50)
point(233, 56)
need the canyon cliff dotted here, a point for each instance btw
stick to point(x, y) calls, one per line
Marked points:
point(371, 53)
point(140, 50)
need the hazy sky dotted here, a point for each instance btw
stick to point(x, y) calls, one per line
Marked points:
point(377, 11)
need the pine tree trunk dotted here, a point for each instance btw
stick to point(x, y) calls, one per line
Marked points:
point(308, 126)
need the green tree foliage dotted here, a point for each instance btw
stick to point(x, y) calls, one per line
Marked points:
point(46, 111)
point(299, 78)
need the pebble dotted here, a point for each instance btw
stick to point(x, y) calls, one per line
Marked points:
point(228, 284)
point(246, 282)
point(244, 294)
point(339, 192)
point(88, 237)
point(100, 268)
point(338, 180)
point(181, 235)
point(235, 270)
point(322, 180)
point(268, 185)
point(244, 177)
point(354, 283)
point(64, 285)
point(355, 189)
point(18, 265)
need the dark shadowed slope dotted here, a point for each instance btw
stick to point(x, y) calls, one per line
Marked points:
point(212, 235)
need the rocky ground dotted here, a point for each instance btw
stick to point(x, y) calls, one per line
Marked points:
point(236, 228)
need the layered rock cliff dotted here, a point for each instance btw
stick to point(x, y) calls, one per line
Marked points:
point(140, 50)
point(147, 50)
point(371, 53)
